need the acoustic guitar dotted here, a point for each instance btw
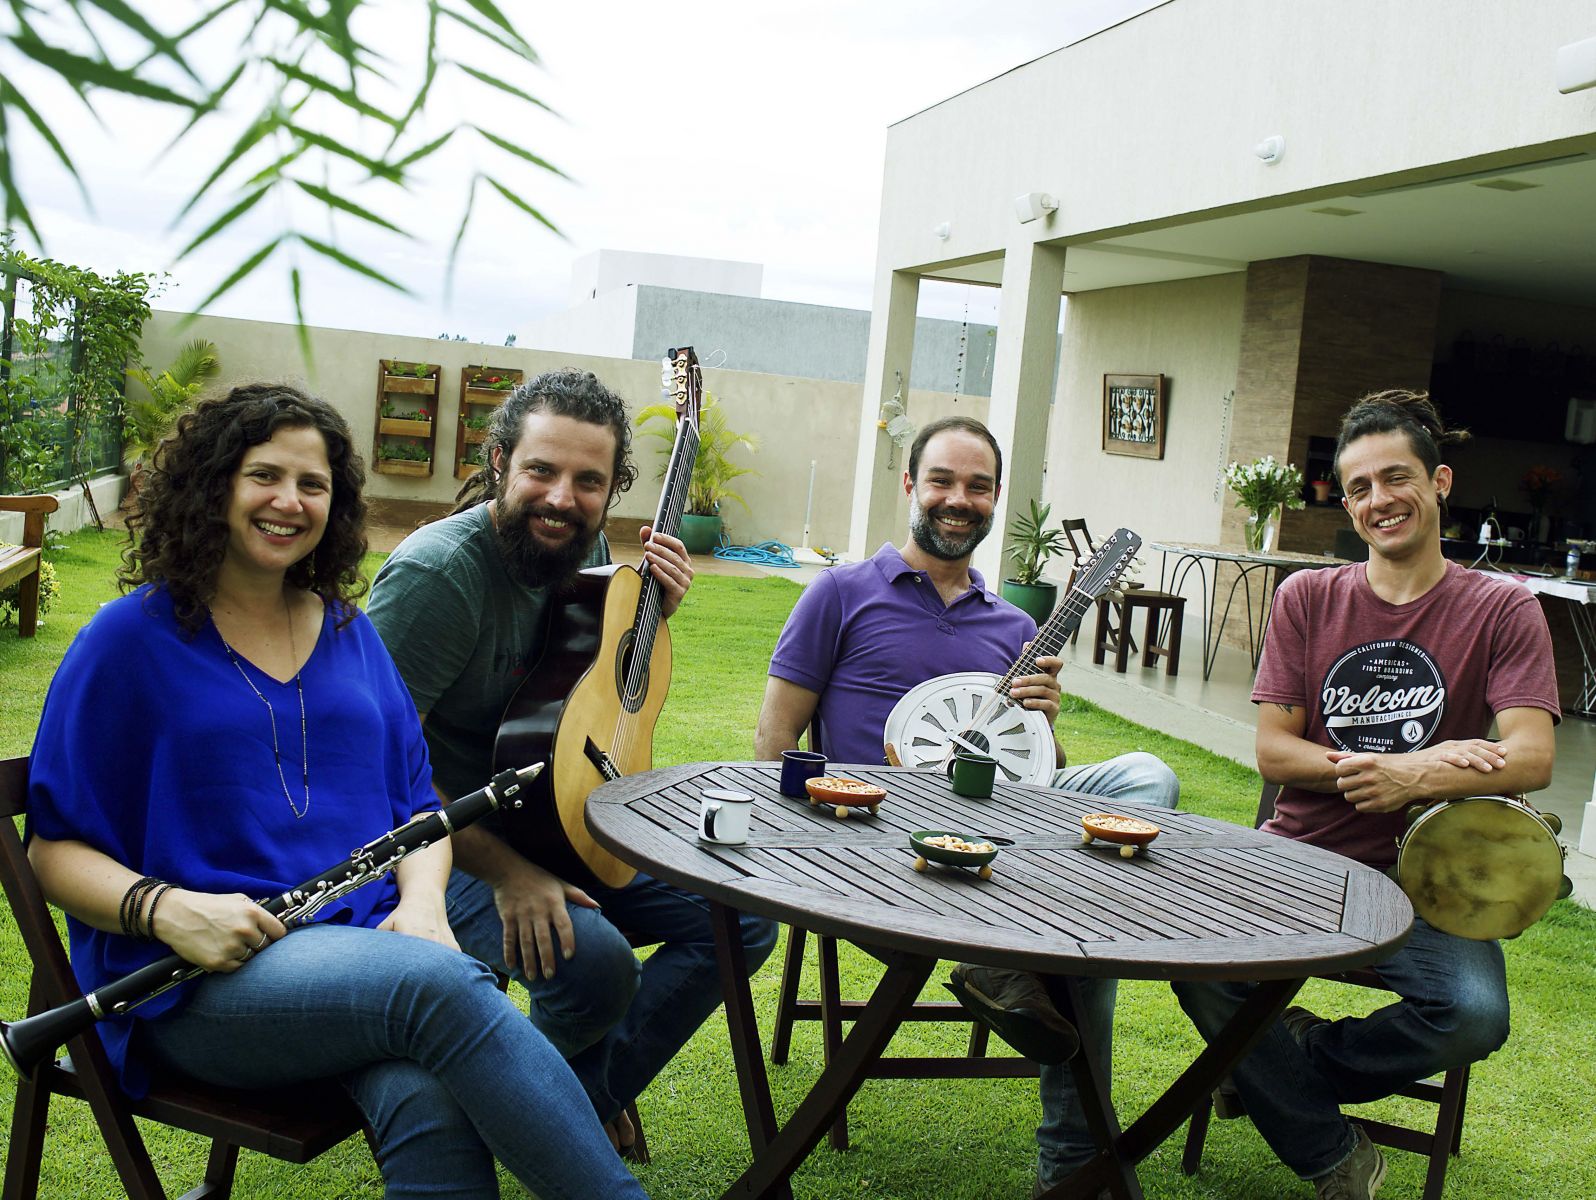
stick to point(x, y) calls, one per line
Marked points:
point(589, 706)
point(973, 710)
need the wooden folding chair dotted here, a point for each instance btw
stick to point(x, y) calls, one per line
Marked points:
point(293, 1124)
point(831, 1010)
point(1449, 1094)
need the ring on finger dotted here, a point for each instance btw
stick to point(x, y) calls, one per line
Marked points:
point(261, 945)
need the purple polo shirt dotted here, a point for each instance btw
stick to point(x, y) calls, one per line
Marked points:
point(863, 634)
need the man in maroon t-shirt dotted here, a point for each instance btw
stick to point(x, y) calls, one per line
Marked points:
point(1377, 689)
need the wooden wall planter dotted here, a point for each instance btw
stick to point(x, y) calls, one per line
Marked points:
point(404, 428)
point(404, 466)
point(410, 384)
point(406, 394)
point(476, 398)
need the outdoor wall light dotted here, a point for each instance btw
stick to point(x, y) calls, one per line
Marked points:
point(943, 231)
point(1033, 205)
point(1270, 149)
point(1576, 66)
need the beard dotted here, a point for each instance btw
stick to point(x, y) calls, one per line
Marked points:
point(527, 560)
point(936, 543)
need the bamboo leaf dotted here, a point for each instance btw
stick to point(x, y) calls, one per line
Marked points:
point(239, 272)
point(521, 204)
point(428, 75)
point(16, 211)
point(345, 96)
point(160, 44)
point(90, 72)
point(354, 264)
point(333, 200)
point(205, 109)
point(300, 328)
point(9, 96)
point(459, 236)
point(247, 141)
point(520, 152)
point(490, 12)
point(493, 81)
point(321, 141)
point(422, 152)
point(223, 221)
point(522, 51)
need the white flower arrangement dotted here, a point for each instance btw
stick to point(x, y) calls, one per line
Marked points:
point(1265, 485)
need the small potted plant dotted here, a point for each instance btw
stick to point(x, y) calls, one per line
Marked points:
point(713, 469)
point(1031, 545)
point(1321, 491)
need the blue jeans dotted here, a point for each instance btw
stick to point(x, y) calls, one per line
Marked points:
point(447, 1071)
point(1453, 1010)
point(1063, 1139)
point(617, 1021)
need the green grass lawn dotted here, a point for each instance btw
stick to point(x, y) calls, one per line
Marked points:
point(1528, 1112)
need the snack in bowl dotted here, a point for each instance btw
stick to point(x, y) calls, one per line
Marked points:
point(844, 793)
point(1128, 833)
point(951, 849)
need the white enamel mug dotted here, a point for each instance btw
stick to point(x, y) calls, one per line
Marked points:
point(723, 816)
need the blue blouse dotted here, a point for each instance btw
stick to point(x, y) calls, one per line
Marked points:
point(154, 750)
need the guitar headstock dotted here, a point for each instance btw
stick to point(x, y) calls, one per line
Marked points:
point(686, 383)
point(1098, 573)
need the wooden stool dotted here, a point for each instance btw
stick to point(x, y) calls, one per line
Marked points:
point(1127, 602)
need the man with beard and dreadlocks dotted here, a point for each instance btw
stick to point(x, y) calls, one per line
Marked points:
point(462, 605)
point(864, 634)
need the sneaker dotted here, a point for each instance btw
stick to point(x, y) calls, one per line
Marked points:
point(1358, 1177)
point(1299, 1020)
point(1015, 1006)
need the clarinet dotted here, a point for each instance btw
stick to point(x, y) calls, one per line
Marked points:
point(28, 1042)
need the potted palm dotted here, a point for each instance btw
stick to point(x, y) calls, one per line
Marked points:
point(167, 396)
point(713, 469)
point(1031, 545)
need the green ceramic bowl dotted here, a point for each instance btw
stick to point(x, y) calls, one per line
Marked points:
point(952, 858)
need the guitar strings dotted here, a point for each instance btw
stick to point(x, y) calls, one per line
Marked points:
point(673, 502)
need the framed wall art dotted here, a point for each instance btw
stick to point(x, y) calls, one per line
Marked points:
point(1133, 415)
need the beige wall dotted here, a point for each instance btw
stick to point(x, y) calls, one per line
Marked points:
point(1124, 129)
point(795, 420)
point(1188, 331)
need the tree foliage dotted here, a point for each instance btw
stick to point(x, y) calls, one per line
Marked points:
point(318, 122)
point(66, 346)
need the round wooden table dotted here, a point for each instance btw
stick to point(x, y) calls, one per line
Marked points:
point(1206, 900)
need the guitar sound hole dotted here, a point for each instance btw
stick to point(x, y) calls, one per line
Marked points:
point(978, 740)
point(631, 697)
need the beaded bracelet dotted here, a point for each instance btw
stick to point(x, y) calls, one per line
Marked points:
point(132, 901)
point(156, 893)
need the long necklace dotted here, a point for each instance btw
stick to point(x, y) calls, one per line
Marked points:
point(304, 730)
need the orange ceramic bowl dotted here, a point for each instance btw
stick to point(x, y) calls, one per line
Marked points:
point(839, 789)
point(1119, 829)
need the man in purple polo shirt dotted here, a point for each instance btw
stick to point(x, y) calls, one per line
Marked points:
point(863, 635)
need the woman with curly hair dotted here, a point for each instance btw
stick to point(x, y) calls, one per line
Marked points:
point(231, 727)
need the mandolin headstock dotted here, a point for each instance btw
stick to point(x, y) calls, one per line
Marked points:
point(685, 383)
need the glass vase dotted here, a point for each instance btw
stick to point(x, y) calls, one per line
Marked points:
point(1262, 526)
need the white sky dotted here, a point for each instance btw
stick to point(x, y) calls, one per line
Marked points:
point(725, 130)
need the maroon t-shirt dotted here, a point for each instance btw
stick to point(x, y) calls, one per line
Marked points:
point(1393, 678)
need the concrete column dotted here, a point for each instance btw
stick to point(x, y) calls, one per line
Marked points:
point(875, 478)
point(1023, 375)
